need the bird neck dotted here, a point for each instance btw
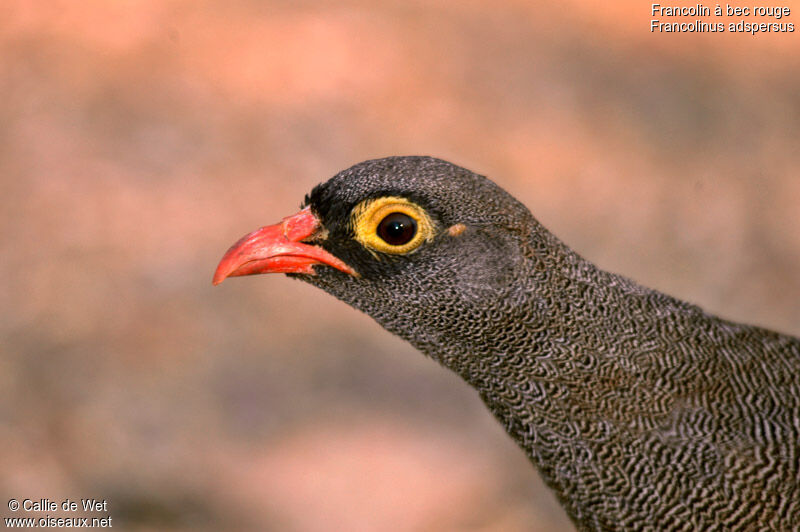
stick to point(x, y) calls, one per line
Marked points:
point(571, 362)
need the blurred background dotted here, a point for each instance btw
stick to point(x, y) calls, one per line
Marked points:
point(140, 138)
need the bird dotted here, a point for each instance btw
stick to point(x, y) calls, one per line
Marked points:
point(639, 410)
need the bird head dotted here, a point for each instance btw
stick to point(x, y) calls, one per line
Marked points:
point(423, 246)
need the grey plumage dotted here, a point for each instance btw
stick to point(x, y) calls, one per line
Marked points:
point(641, 412)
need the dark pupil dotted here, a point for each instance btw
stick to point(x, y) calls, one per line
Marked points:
point(397, 229)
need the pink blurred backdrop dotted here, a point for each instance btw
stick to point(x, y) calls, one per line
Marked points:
point(139, 139)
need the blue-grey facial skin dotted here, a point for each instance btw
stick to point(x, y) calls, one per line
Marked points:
point(638, 409)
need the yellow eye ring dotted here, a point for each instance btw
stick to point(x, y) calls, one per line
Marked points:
point(367, 218)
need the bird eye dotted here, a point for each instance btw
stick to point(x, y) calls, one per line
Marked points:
point(397, 229)
point(391, 225)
